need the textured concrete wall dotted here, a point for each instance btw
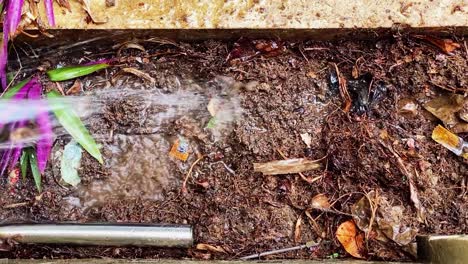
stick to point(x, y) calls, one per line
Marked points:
point(264, 14)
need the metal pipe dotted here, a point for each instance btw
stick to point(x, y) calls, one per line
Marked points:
point(100, 234)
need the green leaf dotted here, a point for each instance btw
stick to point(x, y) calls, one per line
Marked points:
point(71, 72)
point(211, 123)
point(73, 125)
point(24, 160)
point(70, 163)
point(35, 169)
point(13, 90)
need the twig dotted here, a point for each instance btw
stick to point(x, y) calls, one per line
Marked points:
point(317, 48)
point(189, 173)
point(278, 251)
point(300, 173)
point(374, 205)
point(18, 72)
point(15, 205)
point(343, 90)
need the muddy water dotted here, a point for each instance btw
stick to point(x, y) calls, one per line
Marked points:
point(145, 125)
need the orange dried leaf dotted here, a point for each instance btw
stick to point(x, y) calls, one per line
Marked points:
point(320, 201)
point(446, 45)
point(351, 240)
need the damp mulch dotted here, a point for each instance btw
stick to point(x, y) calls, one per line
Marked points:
point(286, 89)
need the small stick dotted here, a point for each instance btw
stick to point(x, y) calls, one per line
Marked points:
point(300, 173)
point(189, 173)
point(277, 251)
point(15, 205)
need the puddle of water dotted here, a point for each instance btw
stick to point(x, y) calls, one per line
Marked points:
point(139, 167)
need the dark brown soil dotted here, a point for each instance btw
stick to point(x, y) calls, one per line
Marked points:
point(283, 96)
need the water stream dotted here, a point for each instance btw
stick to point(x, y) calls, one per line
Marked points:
point(145, 124)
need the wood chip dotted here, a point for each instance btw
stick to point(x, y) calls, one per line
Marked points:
point(287, 166)
point(297, 230)
point(208, 247)
point(75, 89)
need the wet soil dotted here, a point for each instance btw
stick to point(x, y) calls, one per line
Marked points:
point(282, 96)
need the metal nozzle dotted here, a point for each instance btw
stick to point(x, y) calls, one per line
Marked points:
point(100, 234)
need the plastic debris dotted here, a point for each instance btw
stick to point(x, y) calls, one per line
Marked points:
point(287, 166)
point(450, 141)
point(307, 139)
point(449, 109)
point(180, 149)
point(351, 239)
point(70, 163)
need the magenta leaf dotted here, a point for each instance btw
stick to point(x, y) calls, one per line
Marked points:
point(10, 24)
point(13, 15)
point(49, 6)
point(44, 145)
point(4, 57)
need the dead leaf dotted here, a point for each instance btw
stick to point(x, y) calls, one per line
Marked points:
point(130, 45)
point(391, 223)
point(86, 7)
point(140, 74)
point(64, 4)
point(75, 89)
point(351, 240)
point(287, 166)
point(208, 247)
point(414, 196)
point(307, 139)
point(320, 201)
point(446, 108)
point(297, 230)
point(446, 45)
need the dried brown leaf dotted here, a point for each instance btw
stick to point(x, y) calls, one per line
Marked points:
point(297, 230)
point(130, 45)
point(64, 4)
point(447, 108)
point(446, 45)
point(320, 201)
point(286, 166)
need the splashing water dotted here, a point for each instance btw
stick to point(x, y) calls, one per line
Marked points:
point(145, 125)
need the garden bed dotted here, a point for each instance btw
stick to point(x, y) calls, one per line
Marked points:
point(276, 96)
